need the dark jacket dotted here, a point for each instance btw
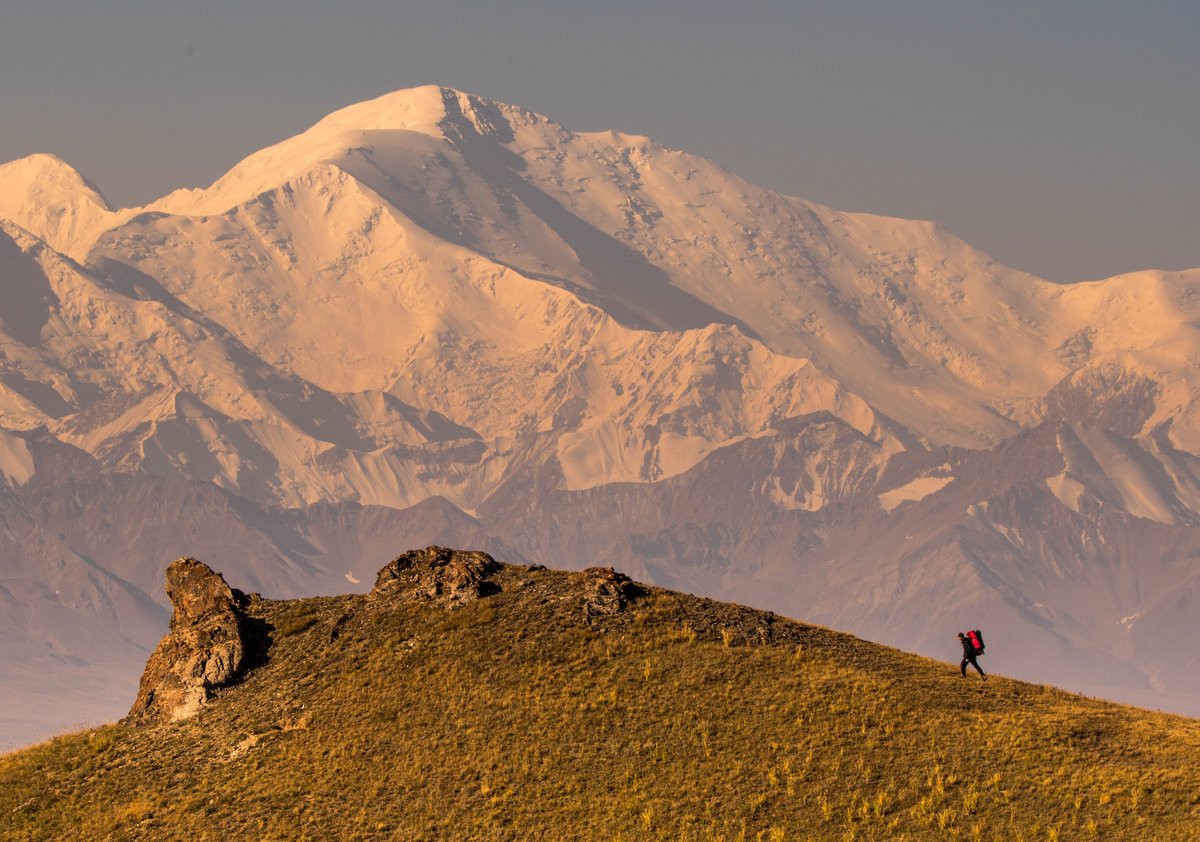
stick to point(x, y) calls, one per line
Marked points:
point(968, 649)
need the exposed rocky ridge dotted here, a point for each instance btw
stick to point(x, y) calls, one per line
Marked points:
point(1109, 397)
point(213, 641)
point(205, 649)
point(607, 592)
point(436, 573)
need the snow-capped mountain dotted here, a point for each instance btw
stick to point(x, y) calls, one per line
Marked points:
point(436, 317)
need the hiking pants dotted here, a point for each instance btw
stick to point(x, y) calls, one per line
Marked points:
point(969, 659)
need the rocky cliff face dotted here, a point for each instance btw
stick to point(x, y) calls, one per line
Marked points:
point(205, 649)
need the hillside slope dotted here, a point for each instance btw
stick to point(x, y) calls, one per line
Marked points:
point(467, 699)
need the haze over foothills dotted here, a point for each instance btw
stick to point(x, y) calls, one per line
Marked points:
point(1056, 137)
point(433, 316)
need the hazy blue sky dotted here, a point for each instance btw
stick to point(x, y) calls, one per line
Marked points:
point(1061, 136)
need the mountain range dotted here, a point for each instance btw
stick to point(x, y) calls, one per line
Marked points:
point(434, 318)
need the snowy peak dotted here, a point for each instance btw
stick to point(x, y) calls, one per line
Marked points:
point(930, 331)
point(48, 197)
point(415, 109)
point(51, 180)
point(387, 136)
point(431, 186)
point(430, 109)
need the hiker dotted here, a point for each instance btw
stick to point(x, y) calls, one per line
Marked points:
point(969, 654)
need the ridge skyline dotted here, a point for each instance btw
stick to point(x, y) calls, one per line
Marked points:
point(405, 95)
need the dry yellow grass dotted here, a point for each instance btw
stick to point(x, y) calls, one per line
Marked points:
point(680, 719)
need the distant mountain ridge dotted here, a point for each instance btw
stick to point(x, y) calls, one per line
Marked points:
point(581, 347)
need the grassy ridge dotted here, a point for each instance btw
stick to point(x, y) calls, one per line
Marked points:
point(681, 719)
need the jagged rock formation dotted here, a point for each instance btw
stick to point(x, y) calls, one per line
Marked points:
point(211, 637)
point(448, 576)
point(205, 648)
point(606, 592)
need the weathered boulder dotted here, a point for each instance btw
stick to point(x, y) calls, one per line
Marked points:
point(606, 591)
point(204, 649)
point(449, 576)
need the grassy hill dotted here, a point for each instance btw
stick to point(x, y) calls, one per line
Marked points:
point(540, 710)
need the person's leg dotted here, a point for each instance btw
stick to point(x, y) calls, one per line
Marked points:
point(963, 667)
point(978, 668)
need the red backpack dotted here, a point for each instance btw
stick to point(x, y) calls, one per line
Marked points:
point(976, 638)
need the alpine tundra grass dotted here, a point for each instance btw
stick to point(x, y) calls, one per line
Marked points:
point(519, 716)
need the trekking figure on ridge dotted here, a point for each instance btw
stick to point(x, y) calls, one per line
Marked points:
point(972, 645)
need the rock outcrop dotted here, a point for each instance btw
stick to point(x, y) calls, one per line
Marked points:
point(606, 592)
point(205, 648)
point(449, 576)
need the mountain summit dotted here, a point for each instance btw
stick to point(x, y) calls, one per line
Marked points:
point(436, 318)
point(391, 121)
point(48, 197)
